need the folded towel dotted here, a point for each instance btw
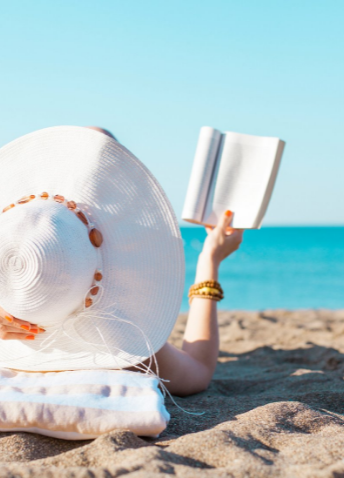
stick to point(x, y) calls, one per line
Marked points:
point(81, 404)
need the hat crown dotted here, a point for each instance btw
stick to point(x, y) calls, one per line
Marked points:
point(47, 262)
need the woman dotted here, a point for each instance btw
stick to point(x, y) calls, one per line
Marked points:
point(190, 369)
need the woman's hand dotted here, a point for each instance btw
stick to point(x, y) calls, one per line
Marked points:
point(222, 240)
point(12, 328)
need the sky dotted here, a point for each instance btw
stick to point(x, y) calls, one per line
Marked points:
point(154, 72)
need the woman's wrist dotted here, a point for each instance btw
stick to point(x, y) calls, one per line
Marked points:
point(207, 268)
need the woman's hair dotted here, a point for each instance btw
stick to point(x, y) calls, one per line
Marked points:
point(103, 130)
point(108, 133)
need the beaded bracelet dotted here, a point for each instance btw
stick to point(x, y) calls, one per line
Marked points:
point(207, 283)
point(206, 290)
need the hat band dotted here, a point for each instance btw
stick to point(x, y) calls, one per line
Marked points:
point(95, 236)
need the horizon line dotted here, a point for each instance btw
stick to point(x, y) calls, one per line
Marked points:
point(194, 226)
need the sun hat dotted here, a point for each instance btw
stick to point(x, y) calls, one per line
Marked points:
point(90, 249)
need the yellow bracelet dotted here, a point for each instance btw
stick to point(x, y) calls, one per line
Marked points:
point(209, 290)
point(206, 290)
point(208, 283)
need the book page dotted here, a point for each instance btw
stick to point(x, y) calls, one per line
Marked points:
point(271, 183)
point(241, 179)
point(201, 174)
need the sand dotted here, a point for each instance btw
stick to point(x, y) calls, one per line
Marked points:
point(275, 408)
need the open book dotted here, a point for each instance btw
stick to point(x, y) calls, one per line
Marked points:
point(232, 171)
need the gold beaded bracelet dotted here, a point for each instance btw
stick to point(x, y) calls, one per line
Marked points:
point(207, 283)
point(206, 290)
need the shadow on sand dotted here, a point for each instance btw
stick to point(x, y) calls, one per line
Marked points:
point(312, 375)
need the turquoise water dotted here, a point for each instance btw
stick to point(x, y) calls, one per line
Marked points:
point(277, 267)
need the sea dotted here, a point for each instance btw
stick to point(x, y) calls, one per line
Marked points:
point(276, 268)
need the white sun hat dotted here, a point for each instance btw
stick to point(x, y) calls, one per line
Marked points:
point(107, 292)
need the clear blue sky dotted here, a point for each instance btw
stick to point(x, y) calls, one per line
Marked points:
point(154, 72)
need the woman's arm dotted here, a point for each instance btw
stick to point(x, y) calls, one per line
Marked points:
point(190, 369)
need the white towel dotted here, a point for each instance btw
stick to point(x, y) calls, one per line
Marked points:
point(81, 404)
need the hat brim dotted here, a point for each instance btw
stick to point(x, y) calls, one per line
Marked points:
point(142, 252)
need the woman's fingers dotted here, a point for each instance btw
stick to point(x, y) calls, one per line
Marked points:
point(22, 324)
point(230, 231)
point(16, 330)
point(9, 320)
point(4, 335)
point(225, 221)
point(222, 240)
point(6, 316)
point(234, 239)
point(8, 332)
point(12, 328)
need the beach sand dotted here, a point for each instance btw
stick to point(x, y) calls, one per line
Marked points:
point(275, 408)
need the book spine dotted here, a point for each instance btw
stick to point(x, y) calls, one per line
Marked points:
point(201, 174)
